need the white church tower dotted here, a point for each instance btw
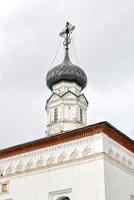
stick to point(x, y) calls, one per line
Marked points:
point(67, 106)
point(94, 162)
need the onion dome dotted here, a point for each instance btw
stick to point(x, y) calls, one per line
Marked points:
point(66, 71)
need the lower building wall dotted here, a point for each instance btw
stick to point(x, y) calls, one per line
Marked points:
point(78, 181)
point(119, 181)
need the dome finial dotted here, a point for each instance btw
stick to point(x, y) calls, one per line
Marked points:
point(66, 32)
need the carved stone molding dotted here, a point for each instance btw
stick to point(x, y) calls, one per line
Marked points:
point(65, 153)
point(95, 129)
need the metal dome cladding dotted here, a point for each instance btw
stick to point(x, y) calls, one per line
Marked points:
point(66, 71)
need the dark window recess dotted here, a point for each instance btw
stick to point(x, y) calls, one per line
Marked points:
point(81, 115)
point(55, 115)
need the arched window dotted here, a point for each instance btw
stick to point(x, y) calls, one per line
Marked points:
point(81, 116)
point(55, 115)
point(63, 198)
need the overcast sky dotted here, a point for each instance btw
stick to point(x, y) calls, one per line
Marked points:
point(104, 42)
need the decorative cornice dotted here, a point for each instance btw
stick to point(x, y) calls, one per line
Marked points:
point(86, 148)
point(102, 127)
point(65, 162)
point(118, 136)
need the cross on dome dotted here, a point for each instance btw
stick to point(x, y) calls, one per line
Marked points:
point(66, 33)
point(66, 71)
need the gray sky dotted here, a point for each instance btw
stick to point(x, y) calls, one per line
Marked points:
point(104, 41)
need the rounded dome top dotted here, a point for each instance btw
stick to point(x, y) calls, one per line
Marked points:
point(66, 71)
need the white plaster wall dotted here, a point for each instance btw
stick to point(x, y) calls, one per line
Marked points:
point(85, 179)
point(62, 87)
point(118, 181)
point(119, 170)
point(87, 146)
point(118, 152)
point(68, 119)
point(62, 126)
point(68, 113)
point(86, 166)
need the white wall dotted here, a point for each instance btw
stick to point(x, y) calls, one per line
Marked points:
point(63, 86)
point(119, 182)
point(86, 180)
point(68, 107)
point(93, 172)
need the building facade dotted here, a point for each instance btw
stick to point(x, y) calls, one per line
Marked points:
point(73, 161)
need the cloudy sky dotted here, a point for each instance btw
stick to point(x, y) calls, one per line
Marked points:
point(104, 42)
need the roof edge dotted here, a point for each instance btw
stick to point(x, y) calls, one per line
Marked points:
point(59, 138)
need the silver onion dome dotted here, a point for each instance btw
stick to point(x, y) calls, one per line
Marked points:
point(66, 71)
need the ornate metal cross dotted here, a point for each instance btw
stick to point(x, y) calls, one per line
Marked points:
point(66, 32)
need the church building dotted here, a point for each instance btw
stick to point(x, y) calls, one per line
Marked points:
point(74, 161)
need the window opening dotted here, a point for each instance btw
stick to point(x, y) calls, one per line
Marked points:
point(55, 115)
point(63, 198)
point(81, 116)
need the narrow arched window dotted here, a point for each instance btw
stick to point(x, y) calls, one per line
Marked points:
point(55, 115)
point(63, 198)
point(81, 116)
